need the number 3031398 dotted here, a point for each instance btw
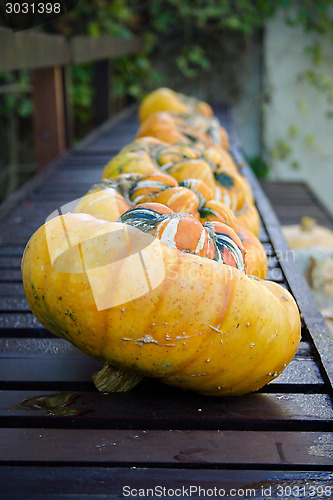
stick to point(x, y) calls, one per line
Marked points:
point(33, 8)
point(308, 491)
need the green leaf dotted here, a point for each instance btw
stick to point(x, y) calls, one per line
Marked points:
point(25, 107)
point(293, 131)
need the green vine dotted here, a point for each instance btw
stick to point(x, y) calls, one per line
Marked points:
point(191, 38)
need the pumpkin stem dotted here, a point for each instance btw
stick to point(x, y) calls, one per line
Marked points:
point(308, 223)
point(112, 379)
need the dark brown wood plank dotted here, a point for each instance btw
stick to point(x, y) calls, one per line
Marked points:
point(49, 114)
point(170, 448)
point(86, 49)
point(10, 262)
point(54, 345)
point(10, 275)
point(37, 367)
point(152, 405)
point(13, 304)
point(293, 200)
point(104, 482)
point(29, 50)
point(16, 322)
point(11, 250)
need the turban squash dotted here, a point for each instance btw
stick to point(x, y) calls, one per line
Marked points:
point(198, 115)
point(240, 335)
point(111, 198)
point(148, 155)
point(165, 99)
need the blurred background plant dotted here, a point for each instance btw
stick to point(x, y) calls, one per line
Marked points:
point(185, 43)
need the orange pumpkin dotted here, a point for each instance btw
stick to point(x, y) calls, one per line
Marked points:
point(148, 185)
point(228, 243)
point(199, 188)
point(231, 189)
point(181, 231)
point(209, 128)
point(255, 256)
point(198, 115)
point(192, 169)
point(165, 99)
point(248, 217)
point(220, 159)
point(179, 199)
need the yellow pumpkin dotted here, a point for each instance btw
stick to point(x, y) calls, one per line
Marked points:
point(208, 127)
point(198, 115)
point(255, 258)
point(165, 99)
point(199, 188)
point(163, 126)
point(162, 99)
point(192, 169)
point(123, 296)
point(133, 158)
point(248, 217)
point(231, 189)
point(220, 159)
point(107, 204)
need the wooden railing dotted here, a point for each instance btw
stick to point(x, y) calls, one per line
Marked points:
point(49, 58)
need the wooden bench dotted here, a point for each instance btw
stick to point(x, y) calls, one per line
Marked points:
point(276, 443)
point(293, 200)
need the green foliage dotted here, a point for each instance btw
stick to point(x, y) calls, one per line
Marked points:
point(81, 92)
point(192, 34)
point(259, 166)
point(192, 60)
point(192, 37)
point(281, 150)
point(17, 100)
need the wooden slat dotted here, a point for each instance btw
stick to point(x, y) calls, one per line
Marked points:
point(13, 304)
point(170, 448)
point(30, 50)
point(17, 321)
point(85, 49)
point(103, 482)
point(292, 200)
point(40, 368)
point(154, 406)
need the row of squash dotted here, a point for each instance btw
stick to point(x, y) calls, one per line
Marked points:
point(180, 159)
point(159, 270)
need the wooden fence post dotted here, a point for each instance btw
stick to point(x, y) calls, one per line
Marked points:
point(49, 114)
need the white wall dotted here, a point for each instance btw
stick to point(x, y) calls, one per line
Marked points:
point(297, 112)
